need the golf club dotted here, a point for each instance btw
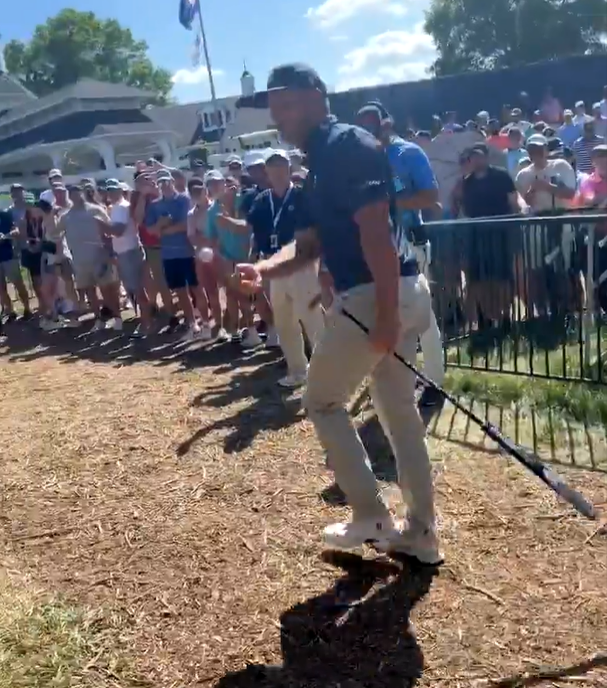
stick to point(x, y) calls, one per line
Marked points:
point(524, 456)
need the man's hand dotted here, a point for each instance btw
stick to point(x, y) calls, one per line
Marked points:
point(541, 185)
point(384, 335)
point(249, 278)
point(15, 232)
point(223, 218)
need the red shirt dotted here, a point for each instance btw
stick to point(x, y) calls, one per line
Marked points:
point(148, 240)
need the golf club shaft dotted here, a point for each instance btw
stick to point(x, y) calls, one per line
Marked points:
point(522, 455)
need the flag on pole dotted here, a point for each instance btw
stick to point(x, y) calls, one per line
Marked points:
point(187, 12)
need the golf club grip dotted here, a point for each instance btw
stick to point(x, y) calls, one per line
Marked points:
point(531, 462)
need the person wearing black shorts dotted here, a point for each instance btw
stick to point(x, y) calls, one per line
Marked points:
point(167, 216)
point(32, 231)
point(489, 192)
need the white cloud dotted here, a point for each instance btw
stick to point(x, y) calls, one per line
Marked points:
point(388, 57)
point(193, 76)
point(333, 12)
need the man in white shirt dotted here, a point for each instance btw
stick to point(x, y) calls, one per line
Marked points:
point(548, 186)
point(600, 121)
point(603, 103)
point(545, 185)
point(581, 117)
point(128, 250)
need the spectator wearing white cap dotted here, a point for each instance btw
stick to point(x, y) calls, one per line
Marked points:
point(482, 119)
point(600, 122)
point(546, 185)
point(230, 240)
point(254, 163)
point(235, 166)
point(129, 252)
point(581, 117)
point(167, 216)
point(278, 213)
point(603, 102)
point(569, 132)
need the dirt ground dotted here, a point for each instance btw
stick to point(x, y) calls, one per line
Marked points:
point(179, 496)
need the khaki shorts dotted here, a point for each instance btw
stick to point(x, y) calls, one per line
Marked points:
point(10, 271)
point(101, 273)
point(153, 259)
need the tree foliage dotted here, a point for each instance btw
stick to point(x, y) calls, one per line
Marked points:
point(472, 35)
point(75, 45)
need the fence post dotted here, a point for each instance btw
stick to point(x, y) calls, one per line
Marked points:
point(589, 318)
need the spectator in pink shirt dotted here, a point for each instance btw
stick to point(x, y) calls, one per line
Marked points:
point(593, 189)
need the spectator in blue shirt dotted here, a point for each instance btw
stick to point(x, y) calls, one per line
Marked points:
point(278, 213)
point(416, 191)
point(569, 132)
point(10, 270)
point(357, 234)
point(168, 218)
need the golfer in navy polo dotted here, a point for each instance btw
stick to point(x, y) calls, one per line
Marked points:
point(355, 232)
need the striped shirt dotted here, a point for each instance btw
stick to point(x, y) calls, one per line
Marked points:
point(582, 149)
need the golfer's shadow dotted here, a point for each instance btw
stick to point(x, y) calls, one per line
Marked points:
point(358, 631)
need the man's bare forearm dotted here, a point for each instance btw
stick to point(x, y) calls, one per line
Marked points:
point(290, 259)
point(235, 225)
point(422, 200)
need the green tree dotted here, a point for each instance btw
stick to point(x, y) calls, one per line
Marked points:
point(74, 45)
point(472, 35)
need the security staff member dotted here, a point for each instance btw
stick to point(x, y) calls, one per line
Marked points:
point(376, 278)
point(417, 190)
point(275, 217)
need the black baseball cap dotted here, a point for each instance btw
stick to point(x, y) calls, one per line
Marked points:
point(376, 108)
point(296, 76)
point(479, 149)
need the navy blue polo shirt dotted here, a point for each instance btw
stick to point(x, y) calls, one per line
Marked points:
point(247, 198)
point(274, 222)
point(349, 170)
point(6, 245)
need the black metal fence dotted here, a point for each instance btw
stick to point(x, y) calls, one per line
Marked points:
point(526, 296)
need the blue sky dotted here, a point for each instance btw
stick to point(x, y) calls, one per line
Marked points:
point(350, 42)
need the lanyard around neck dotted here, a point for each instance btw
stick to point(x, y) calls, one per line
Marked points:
point(276, 214)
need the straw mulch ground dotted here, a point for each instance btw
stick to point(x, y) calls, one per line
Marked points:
point(178, 501)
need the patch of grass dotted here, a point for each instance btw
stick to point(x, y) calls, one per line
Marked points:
point(47, 643)
point(576, 401)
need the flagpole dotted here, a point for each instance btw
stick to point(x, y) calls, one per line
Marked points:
point(209, 71)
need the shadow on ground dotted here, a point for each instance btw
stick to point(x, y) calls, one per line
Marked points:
point(26, 342)
point(357, 634)
point(269, 408)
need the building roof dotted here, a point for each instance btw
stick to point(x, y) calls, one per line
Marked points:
point(9, 86)
point(129, 128)
point(77, 125)
point(182, 119)
point(84, 89)
point(13, 94)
